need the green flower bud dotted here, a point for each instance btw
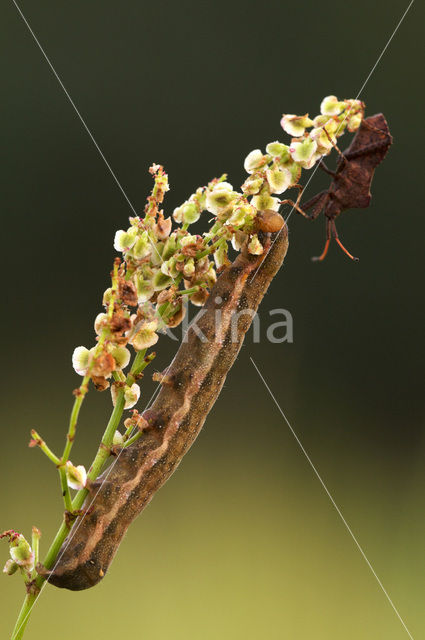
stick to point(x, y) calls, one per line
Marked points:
point(189, 268)
point(190, 213)
point(76, 476)
point(295, 125)
point(20, 552)
point(10, 567)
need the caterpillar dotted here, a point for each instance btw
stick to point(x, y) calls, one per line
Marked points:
point(188, 392)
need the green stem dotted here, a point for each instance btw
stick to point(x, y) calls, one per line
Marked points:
point(139, 364)
point(210, 249)
point(66, 494)
point(45, 449)
point(132, 439)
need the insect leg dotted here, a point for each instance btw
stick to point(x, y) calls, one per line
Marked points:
point(328, 240)
point(335, 234)
point(335, 146)
point(326, 169)
point(369, 148)
point(318, 202)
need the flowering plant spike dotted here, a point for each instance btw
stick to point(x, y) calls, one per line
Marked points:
point(165, 264)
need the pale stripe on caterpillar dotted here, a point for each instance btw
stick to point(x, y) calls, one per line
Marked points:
point(192, 385)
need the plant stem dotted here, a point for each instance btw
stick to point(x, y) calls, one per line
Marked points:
point(45, 449)
point(139, 364)
point(210, 249)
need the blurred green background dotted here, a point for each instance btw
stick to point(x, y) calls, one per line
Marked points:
point(242, 542)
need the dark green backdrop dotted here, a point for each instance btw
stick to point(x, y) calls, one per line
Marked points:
point(242, 542)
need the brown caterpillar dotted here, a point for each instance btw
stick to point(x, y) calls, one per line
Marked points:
point(189, 390)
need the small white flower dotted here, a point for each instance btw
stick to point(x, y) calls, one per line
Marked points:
point(237, 218)
point(330, 106)
point(178, 214)
point(76, 476)
point(145, 335)
point(308, 164)
point(190, 213)
point(295, 125)
point(324, 141)
point(254, 160)
point(277, 149)
point(354, 122)
point(124, 240)
point(131, 395)
point(80, 360)
point(121, 355)
point(219, 198)
point(278, 179)
point(265, 201)
point(118, 439)
point(303, 151)
point(99, 322)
